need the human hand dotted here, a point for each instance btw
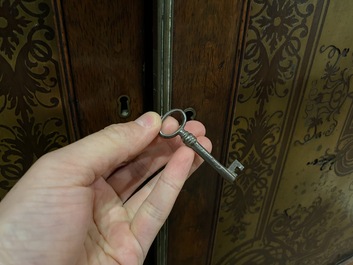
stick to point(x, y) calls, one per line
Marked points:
point(77, 205)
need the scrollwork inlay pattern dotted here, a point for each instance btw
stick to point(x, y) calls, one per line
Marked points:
point(31, 102)
point(283, 211)
point(269, 67)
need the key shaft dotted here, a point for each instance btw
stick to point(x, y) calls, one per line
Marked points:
point(190, 140)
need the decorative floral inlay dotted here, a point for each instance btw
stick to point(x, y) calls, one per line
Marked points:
point(31, 114)
point(271, 55)
point(11, 24)
point(278, 21)
point(27, 143)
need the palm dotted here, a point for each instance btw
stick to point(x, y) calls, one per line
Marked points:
point(109, 238)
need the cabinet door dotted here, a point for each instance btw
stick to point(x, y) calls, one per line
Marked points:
point(68, 69)
point(271, 82)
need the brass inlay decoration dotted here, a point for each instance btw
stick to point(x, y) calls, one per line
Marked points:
point(32, 116)
point(292, 129)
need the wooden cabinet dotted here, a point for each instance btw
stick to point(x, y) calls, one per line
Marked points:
point(269, 79)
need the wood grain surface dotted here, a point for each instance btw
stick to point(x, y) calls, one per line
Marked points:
point(106, 53)
point(206, 47)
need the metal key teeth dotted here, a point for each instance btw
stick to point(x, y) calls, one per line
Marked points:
point(234, 165)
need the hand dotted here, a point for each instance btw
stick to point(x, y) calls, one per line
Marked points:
point(77, 205)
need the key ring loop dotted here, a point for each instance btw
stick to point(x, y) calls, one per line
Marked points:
point(181, 126)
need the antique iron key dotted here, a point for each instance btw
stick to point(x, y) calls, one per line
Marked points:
point(190, 140)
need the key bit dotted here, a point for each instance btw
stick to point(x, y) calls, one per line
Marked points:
point(234, 165)
point(190, 140)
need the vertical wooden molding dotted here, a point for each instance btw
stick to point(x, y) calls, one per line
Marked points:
point(164, 55)
point(163, 91)
point(64, 63)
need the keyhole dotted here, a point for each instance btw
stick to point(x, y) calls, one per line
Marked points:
point(190, 114)
point(124, 106)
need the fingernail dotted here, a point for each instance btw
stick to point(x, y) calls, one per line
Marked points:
point(146, 120)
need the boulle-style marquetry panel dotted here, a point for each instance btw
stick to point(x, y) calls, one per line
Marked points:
point(292, 129)
point(34, 114)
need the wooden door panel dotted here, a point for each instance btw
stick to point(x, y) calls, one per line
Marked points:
point(105, 41)
point(205, 57)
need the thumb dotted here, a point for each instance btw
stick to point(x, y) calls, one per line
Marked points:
point(99, 154)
